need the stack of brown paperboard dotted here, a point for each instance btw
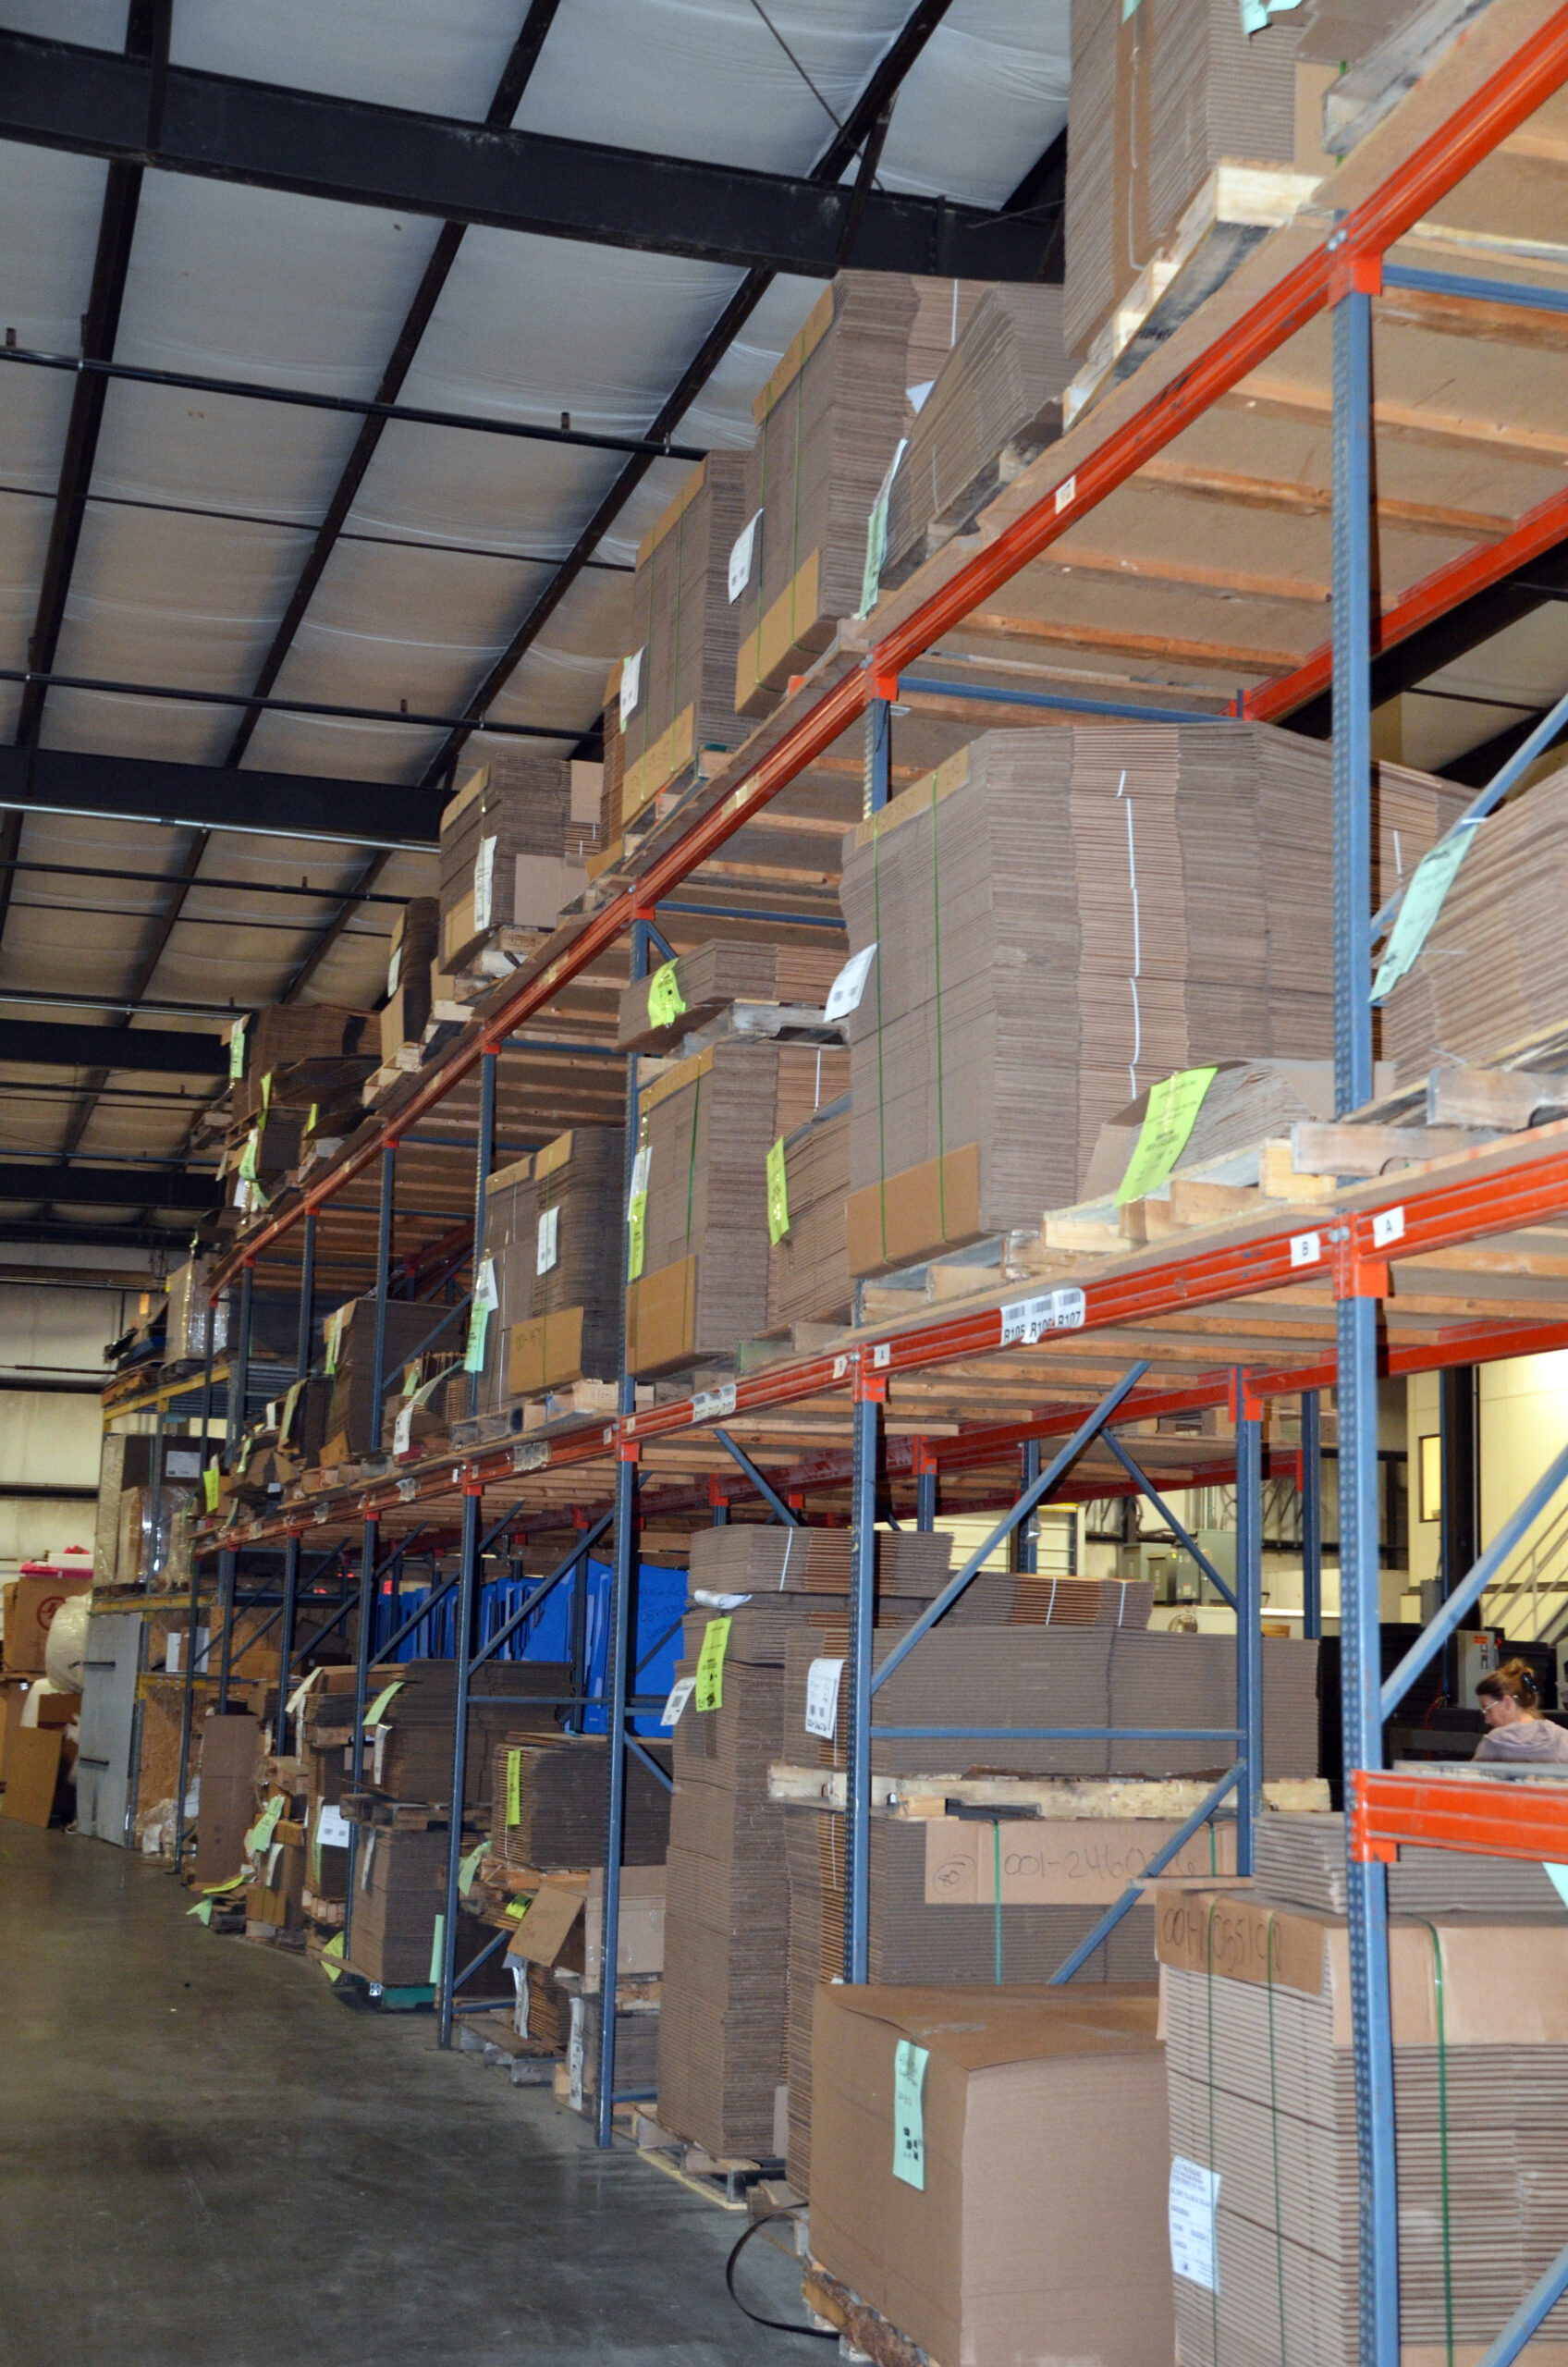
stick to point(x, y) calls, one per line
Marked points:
point(409, 1746)
point(708, 1125)
point(757, 1557)
point(713, 976)
point(1493, 971)
point(1018, 2212)
point(514, 842)
point(1026, 1675)
point(352, 1417)
point(416, 940)
point(828, 422)
point(689, 630)
point(1259, 2061)
point(553, 1235)
point(125, 1460)
point(400, 1896)
point(1064, 917)
point(1247, 1102)
point(995, 404)
point(808, 1265)
point(556, 1784)
point(1301, 1858)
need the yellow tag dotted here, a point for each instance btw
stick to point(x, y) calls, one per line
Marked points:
point(469, 1868)
point(211, 1479)
point(266, 1091)
point(1173, 1105)
point(518, 1910)
point(310, 1121)
point(248, 1155)
point(637, 1236)
point(237, 1048)
point(778, 1195)
point(514, 1787)
point(335, 1323)
point(665, 1001)
point(374, 1714)
point(709, 1693)
point(290, 1401)
point(332, 1958)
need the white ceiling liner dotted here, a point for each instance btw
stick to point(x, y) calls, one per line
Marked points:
point(95, 24)
point(440, 60)
point(985, 98)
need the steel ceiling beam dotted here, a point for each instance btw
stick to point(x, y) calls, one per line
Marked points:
point(108, 1187)
point(859, 126)
point(209, 797)
point(156, 1051)
point(311, 144)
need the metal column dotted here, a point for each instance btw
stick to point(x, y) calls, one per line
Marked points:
point(462, 1639)
point(618, 1670)
point(303, 1344)
point(239, 1371)
point(483, 1158)
point(1249, 1602)
point(870, 1393)
point(369, 1580)
point(576, 1719)
point(878, 753)
point(1026, 1536)
point(187, 1702)
point(1311, 1513)
point(306, 1342)
point(925, 1486)
point(1361, 1643)
point(383, 1260)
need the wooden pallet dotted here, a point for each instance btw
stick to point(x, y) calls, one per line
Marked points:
point(864, 2332)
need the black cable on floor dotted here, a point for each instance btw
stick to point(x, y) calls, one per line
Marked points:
point(779, 2326)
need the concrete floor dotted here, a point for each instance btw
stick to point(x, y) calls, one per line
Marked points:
point(205, 2158)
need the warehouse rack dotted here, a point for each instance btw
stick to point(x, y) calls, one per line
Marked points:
point(1266, 1308)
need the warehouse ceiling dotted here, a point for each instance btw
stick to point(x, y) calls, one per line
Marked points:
point(582, 231)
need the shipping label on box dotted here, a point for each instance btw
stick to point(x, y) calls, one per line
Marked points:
point(1081, 1861)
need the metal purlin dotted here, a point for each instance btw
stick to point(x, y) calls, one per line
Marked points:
point(1356, 1314)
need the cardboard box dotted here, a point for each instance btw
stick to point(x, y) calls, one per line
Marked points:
point(32, 1772)
point(404, 1016)
point(919, 1214)
point(569, 1909)
point(1039, 2231)
point(231, 1749)
point(661, 1313)
point(1049, 1861)
point(29, 1607)
point(544, 1352)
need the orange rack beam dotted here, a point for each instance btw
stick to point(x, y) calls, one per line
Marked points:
point(1489, 1820)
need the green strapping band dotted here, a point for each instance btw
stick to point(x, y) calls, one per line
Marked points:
point(1442, 2140)
point(1274, 2133)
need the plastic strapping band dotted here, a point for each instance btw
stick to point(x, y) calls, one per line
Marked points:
point(1274, 2135)
point(936, 962)
point(997, 1840)
point(788, 1547)
point(1442, 2140)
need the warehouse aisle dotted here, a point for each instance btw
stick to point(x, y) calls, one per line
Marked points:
point(207, 2159)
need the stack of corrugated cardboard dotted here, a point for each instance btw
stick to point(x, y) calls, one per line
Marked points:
point(675, 696)
point(409, 1714)
point(353, 1420)
point(1492, 972)
point(416, 945)
point(547, 1804)
point(553, 1235)
point(763, 1558)
point(1262, 2091)
point(292, 1066)
point(694, 988)
point(995, 404)
point(1061, 917)
point(828, 422)
point(514, 847)
point(699, 1208)
point(808, 1265)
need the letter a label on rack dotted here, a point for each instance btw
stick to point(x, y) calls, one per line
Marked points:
point(1026, 1318)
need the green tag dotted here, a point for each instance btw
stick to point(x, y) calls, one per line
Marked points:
point(469, 1867)
point(374, 1714)
point(514, 1787)
point(518, 1910)
point(216, 1890)
point(909, 2114)
point(211, 1479)
point(486, 1296)
point(709, 1693)
point(266, 1091)
point(1173, 1104)
point(332, 1958)
point(261, 1833)
point(248, 1155)
point(1423, 902)
point(877, 536)
point(410, 1379)
point(665, 1001)
point(335, 1323)
point(237, 1048)
point(437, 1947)
point(290, 1403)
point(637, 1216)
point(310, 1121)
point(777, 1194)
point(245, 1455)
point(202, 1911)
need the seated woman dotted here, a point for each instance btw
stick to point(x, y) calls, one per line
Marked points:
point(1516, 1732)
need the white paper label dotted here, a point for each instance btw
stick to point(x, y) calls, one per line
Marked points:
point(630, 686)
point(844, 994)
point(713, 1404)
point(740, 557)
point(333, 1829)
point(483, 882)
point(916, 397)
point(681, 1692)
point(394, 971)
point(822, 1698)
point(548, 1253)
point(1388, 1225)
point(1064, 494)
point(1306, 1248)
point(485, 1292)
point(1195, 2196)
point(709, 1599)
point(403, 1427)
point(1053, 1311)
